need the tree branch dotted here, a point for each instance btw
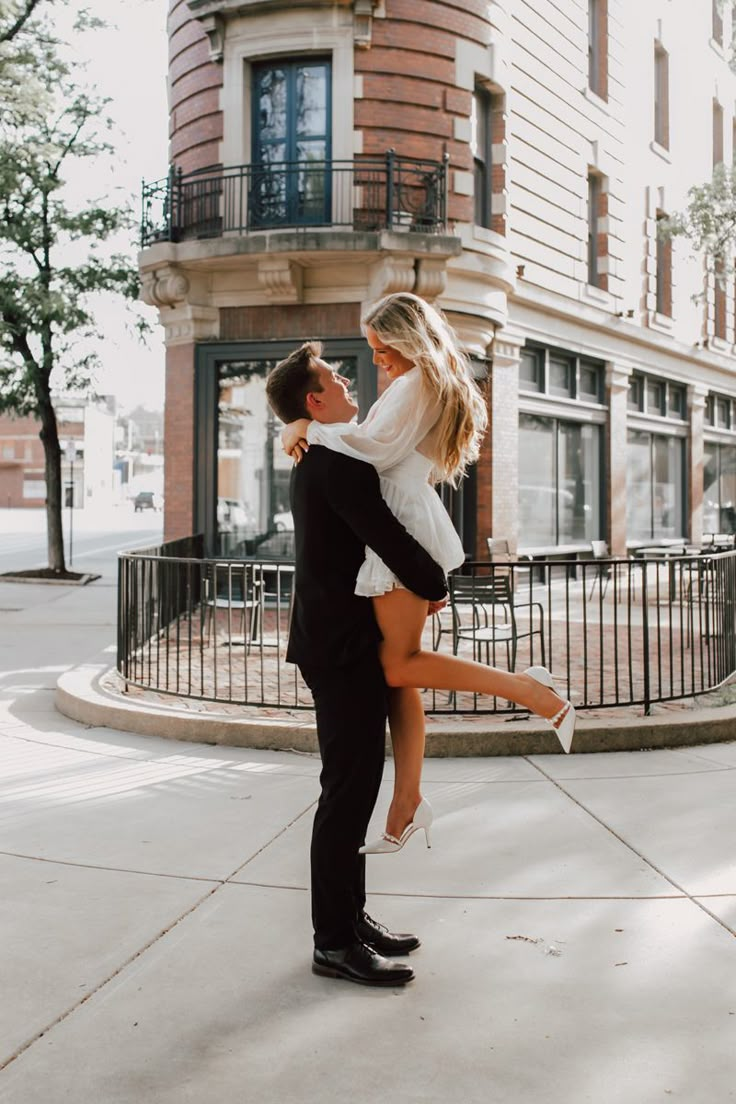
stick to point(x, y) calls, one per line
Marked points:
point(25, 15)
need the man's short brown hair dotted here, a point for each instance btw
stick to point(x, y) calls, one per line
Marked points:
point(289, 383)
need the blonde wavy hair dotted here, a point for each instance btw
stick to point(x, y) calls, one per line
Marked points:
point(420, 333)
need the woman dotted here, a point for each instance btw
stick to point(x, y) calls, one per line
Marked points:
point(425, 428)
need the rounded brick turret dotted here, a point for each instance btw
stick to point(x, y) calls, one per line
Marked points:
point(411, 100)
point(195, 117)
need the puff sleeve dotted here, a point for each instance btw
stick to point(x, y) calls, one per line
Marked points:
point(396, 424)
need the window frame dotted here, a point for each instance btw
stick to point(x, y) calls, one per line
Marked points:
point(598, 48)
point(557, 418)
point(718, 136)
point(661, 96)
point(290, 63)
point(663, 274)
point(652, 433)
point(208, 357)
point(595, 190)
point(546, 353)
point(482, 106)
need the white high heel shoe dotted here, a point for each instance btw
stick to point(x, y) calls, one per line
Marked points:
point(387, 844)
point(563, 721)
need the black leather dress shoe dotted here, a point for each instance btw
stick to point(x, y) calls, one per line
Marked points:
point(361, 964)
point(382, 940)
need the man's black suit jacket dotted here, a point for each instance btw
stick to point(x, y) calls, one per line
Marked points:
point(338, 509)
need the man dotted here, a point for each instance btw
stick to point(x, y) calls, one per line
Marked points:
point(337, 507)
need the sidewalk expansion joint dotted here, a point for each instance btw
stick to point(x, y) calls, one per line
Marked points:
point(114, 869)
point(653, 866)
point(4, 1063)
point(273, 839)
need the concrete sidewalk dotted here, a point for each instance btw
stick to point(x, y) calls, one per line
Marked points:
point(577, 916)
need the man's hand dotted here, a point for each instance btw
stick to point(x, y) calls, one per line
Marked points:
point(294, 439)
point(435, 607)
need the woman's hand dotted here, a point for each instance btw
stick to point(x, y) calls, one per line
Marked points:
point(294, 439)
point(435, 607)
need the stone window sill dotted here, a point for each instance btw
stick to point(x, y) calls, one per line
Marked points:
point(661, 152)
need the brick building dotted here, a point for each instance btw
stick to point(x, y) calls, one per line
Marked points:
point(86, 481)
point(510, 162)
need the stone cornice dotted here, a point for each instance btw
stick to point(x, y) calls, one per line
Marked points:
point(212, 14)
point(300, 244)
point(621, 336)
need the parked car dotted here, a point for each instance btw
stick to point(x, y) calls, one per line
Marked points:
point(147, 500)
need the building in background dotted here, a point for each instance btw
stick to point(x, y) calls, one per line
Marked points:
point(87, 480)
point(511, 163)
point(139, 460)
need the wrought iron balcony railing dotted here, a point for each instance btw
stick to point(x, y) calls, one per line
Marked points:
point(367, 194)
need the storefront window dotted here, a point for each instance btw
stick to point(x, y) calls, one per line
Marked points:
point(668, 513)
point(655, 499)
point(638, 487)
point(537, 484)
point(559, 481)
point(719, 489)
point(253, 472)
point(579, 482)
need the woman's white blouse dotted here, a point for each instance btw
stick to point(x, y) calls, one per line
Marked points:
point(397, 424)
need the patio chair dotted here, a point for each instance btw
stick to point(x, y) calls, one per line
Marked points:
point(600, 553)
point(233, 587)
point(484, 614)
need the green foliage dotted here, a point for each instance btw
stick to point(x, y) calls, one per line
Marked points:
point(56, 255)
point(731, 47)
point(709, 221)
point(46, 302)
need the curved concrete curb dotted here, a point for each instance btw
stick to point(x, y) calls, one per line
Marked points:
point(80, 697)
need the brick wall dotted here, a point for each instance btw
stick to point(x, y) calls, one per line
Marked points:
point(179, 437)
point(195, 120)
point(410, 99)
point(299, 321)
point(21, 457)
point(11, 485)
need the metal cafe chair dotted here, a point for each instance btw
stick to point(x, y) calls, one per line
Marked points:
point(233, 587)
point(600, 552)
point(499, 553)
point(484, 614)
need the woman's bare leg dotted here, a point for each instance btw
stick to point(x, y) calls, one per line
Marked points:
point(401, 616)
point(406, 719)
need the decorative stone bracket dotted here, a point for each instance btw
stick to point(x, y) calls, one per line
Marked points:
point(164, 287)
point(281, 279)
point(363, 22)
point(214, 27)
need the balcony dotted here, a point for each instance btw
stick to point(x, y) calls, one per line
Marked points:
point(369, 194)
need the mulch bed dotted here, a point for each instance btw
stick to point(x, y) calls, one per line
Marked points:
point(48, 575)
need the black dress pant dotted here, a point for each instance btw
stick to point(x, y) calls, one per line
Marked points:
point(351, 705)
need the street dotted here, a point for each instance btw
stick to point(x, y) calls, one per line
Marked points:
point(96, 537)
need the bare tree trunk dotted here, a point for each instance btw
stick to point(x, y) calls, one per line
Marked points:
point(52, 453)
point(49, 428)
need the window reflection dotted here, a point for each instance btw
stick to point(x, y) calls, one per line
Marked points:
point(559, 481)
point(579, 467)
point(655, 494)
point(253, 472)
point(291, 144)
point(719, 489)
point(536, 481)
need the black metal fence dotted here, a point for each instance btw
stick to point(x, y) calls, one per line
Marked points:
point(369, 193)
point(613, 632)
